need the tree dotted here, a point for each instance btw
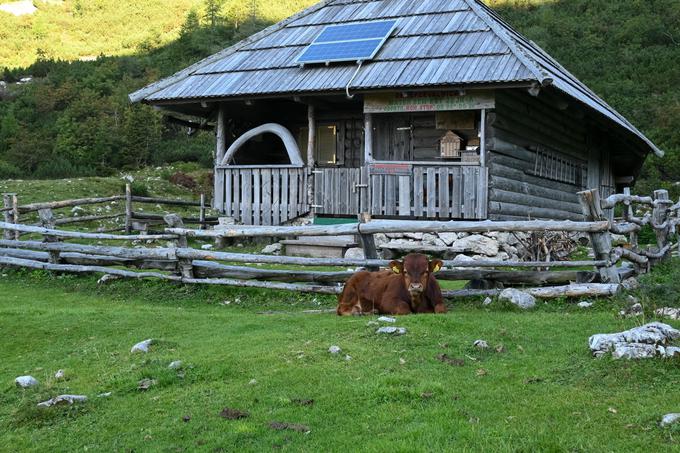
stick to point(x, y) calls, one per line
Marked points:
point(212, 12)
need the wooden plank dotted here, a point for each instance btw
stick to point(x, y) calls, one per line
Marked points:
point(418, 192)
point(228, 192)
point(236, 190)
point(257, 197)
point(390, 195)
point(431, 192)
point(404, 196)
point(284, 196)
point(443, 179)
point(267, 197)
point(294, 188)
point(247, 197)
point(483, 190)
point(276, 197)
point(468, 193)
point(219, 190)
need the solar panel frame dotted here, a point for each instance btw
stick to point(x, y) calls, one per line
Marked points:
point(324, 40)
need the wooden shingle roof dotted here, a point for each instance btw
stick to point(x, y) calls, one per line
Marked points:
point(437, 43)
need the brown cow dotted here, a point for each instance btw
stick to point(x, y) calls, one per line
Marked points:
point(408, 287)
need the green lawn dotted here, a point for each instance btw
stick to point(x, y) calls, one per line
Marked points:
point(542, 393)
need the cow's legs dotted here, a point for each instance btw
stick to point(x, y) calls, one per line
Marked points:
point(349, 302)
point(396, 307)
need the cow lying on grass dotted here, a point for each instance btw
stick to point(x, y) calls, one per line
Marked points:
point(409, 286)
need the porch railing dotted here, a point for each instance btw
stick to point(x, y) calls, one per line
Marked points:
point(261, 196)
point(427, 192)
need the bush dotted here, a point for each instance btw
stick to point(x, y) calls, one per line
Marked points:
point(59, 167)
point(139, 189)
point(8, 171)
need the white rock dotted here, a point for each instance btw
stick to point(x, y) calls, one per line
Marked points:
point(104, 395)
point(429, 239)
point(380, 239)
point(348, 357)
point(391, 330)
point(416, 236)
point(585, 304)
point(630, 284)
point(207, 247)
point(272, 249)
point(252, 382)
point(26, 382)
point(354, 254)
point(668, 312)
point(176, 365)
point(462, 259)
point(652, 334)
point(488, 301)
point(634, 351)
point(387, 319)
point(476, 244)
point(669, 419)
point(60, 374)
point(519, 298)
point(142, 346)
point(63, 399)
point(448, 238)
point(672, 351)
point(481, 344)
point(335, 349)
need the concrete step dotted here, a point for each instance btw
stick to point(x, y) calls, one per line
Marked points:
point(321, 247)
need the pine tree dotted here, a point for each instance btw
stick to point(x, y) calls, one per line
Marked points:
point(212, 12)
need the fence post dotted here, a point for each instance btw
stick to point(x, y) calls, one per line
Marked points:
point(128, 208)
point(368, 242)
point(47, 220)
point(601, 242)
point(627, 215)
point(660, 219)
point(8, 203)
point(201, 215)
point(185, 267)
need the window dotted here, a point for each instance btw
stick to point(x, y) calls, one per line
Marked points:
point(326, 152)
point(559, 167)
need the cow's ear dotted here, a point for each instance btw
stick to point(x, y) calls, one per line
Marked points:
point(436, 265)
point(397, 267)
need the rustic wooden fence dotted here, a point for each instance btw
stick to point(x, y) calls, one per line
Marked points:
point(14, 212)
point(37, 247)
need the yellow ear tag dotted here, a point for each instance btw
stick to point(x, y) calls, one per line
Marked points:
point(396, 270)
point(436, 268)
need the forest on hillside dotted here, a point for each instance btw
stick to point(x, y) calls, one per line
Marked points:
point(83, 57)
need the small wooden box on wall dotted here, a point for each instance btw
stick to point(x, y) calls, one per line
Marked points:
point(450, 145)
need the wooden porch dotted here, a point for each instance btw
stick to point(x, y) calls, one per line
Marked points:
point(273, 196)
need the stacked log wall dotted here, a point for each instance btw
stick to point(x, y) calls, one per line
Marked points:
point(521, 125)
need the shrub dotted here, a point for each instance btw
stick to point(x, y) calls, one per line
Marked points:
point(8, 171)
point(139, 189)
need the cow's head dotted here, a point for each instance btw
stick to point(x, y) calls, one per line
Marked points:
point(416, 269)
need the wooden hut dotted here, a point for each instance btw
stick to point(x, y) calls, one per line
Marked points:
point(342, 109)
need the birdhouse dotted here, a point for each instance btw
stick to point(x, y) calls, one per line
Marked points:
point(450, 145)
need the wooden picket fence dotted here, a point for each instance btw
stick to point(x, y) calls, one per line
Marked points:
point(53, 249)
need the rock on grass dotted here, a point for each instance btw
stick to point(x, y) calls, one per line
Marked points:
point(63, 399)
point(26, 382)
point(142, 346)
point(518, 298)
point(391, 330)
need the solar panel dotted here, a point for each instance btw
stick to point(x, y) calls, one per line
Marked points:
point(350, 42)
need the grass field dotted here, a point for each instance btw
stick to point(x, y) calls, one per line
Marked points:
point(543, 392)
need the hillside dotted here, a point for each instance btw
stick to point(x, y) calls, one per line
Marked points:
point(73, 118)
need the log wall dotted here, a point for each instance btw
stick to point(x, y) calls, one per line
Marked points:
point(540, 154)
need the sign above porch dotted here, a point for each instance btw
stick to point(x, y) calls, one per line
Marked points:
point(428, 102)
